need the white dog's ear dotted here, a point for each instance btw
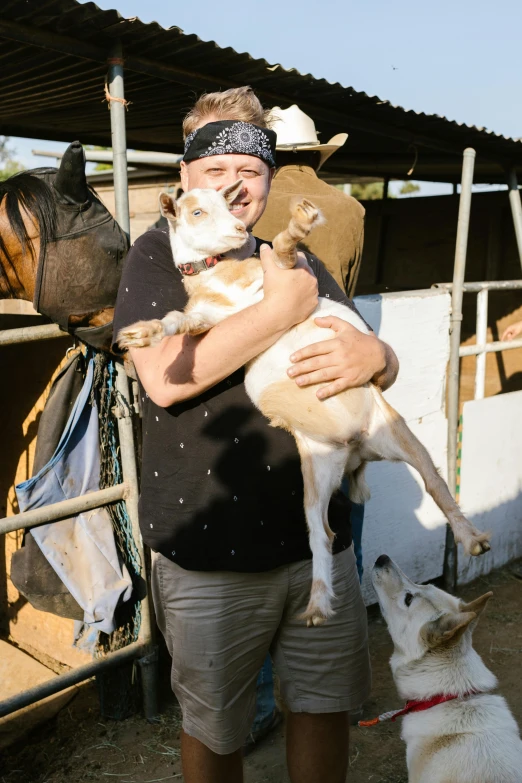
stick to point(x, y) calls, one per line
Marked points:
point(168, 207)
point(447, 629)
point(230, 193)
point(478, 605)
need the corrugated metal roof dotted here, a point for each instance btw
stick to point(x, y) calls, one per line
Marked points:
point(53, 57)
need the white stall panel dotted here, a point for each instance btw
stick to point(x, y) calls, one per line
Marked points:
point(416, 325)
point(491, 478)
point(401, 520)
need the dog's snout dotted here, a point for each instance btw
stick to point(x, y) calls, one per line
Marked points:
point(382, 560)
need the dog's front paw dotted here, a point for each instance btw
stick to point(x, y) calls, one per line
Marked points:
point(141, 334)
point(306, 214)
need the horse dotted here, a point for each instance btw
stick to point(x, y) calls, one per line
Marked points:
point(61, 249)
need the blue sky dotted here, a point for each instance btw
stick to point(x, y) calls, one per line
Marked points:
point(460, 59)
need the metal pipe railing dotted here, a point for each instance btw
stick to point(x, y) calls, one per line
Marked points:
point(468, 165)
point(117, 107)
point(482, 338)
point(485, 285)
point(63, 509)
point(27, 334)
point(143, 649)
point(516, 208)
point(73, 677)
point(474, 350)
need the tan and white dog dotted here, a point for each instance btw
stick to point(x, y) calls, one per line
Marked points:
point(455, 729)
point(339, 434)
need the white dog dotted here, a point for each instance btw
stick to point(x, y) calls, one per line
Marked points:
point(455, 729)
point(333, 436)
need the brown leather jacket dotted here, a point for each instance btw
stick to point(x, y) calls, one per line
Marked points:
point(339, 242)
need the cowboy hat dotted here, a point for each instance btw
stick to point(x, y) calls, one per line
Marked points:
point(296, 131)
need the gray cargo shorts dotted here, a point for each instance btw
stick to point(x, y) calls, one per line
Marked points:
point(219, 626)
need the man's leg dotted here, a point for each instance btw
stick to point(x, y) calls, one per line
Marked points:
point(218, 627)
point(324, 672)
point(201, 765)
point(317, 747)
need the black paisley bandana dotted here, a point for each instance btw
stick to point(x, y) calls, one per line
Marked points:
point(229, 137)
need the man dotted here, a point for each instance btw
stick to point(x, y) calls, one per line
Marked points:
point(221, 491)
point(300, 155)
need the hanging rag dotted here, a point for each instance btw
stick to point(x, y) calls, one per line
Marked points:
point(31, 572)
point(81, 549)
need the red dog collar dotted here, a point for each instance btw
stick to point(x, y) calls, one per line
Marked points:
point(414, 706)
point(195, 267)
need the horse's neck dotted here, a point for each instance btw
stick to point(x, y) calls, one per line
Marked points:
point(18, 269)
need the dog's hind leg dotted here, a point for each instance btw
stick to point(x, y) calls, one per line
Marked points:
point(323, 466)
point(305, 216)
point(392, 439)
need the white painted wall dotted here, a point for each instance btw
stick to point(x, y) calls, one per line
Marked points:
point(491, 478)
point(401, 520)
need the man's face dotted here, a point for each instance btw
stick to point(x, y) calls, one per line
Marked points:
point(218, 171)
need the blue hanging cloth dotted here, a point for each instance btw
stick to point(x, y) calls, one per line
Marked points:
point(81, 549)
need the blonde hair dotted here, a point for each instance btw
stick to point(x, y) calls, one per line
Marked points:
point(238, 103)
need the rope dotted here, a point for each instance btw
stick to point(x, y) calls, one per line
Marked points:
point(113, 98)
point(107, 398)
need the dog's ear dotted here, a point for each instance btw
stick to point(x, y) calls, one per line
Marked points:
point(168, 207)
point(230, 193)
point(447, 629)
point(478, 605)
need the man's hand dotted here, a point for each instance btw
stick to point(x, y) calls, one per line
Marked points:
point(512, 331)
point(290, 295)
point(349, 359)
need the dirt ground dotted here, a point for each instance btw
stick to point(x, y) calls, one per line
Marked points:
point(78, 746)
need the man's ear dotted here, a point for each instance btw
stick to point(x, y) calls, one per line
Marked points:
point(447, 629)
point(478, 605)
point(232, 191)
point(168, 207)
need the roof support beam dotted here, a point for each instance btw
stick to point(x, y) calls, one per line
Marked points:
point(38, 37)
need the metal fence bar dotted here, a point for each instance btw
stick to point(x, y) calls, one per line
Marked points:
point(473, 350)
point(119, 136)
point(63, 509)
point(482, 338)
point(516, 208)
point(149, 663)
point(468, 165)
point(73, 677)
point(490, 285)
point(27, 334)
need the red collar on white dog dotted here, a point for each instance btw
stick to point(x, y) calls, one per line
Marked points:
point(195, 267)
point(414, 706)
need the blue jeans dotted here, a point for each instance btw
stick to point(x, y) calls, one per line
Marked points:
point(265, 701)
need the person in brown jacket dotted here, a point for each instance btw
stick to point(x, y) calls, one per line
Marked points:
point(339, 245)
point(300, 155)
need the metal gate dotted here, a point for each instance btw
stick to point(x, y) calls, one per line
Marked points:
point(143, 649)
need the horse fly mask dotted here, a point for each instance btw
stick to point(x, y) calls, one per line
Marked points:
point(79, 270)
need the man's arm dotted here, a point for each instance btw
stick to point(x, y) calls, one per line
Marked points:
point(182, 367)
point(349, 359)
